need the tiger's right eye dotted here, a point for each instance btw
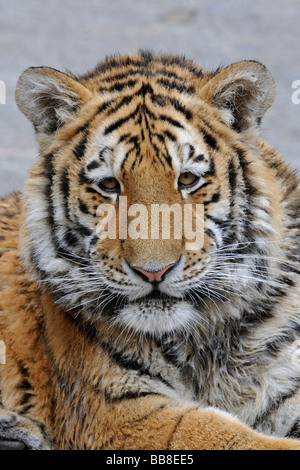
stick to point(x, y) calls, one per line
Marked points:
point(110, 185)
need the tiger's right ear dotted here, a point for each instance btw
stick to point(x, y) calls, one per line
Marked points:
point(49, 98)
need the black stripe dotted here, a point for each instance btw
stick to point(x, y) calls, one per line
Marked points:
point(181, 108)
point(174, 85)
point(123, 138)
point(171, 74)
point(289, 268)
point(26, 398)
point(65, 189)
point(294, 432)
point(122, 121)
point(23, 370)
point(210, 233)
point(65, 253)
point(64, 184)
point(25, 385)
point(84, 231)
point(48, 166)
point(220, 222)
point(93, 165)
point(130, 363)
point(104, 106)
point(165, 155)
point(212, 169)
point(83, 207)
point(168, 160)
point(207, 183)
point(26, 410)
point(128, 395)
point(145, 89)
point(92, 191)
point(232, 235)
point(257, 314)
point(191, 151)
point(125, 101)
point(81, 146)
point(70, 238)
point(232, 177)
point(170, 136)
point(157, 154)
point(82, 177)
point(215, 198)
point(119, 86)
point(83, 127)
point(129, 152)
point(122, 75)
point(147, 111)
point(244, 164)
point(286, 281)
point(210, 140)
point(284, 336)
point(170, 120)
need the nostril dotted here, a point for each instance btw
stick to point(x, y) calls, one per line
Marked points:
point(153, 276)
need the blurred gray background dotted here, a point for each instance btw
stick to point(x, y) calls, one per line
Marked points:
point(76, 35)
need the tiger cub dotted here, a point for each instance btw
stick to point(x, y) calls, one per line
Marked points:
point(119, 335)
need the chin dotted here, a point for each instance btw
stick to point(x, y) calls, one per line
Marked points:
point(157, 316)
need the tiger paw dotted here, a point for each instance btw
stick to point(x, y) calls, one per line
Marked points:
point(19, 433)
point(11, 445)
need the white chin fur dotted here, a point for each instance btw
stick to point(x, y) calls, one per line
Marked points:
point(155, 320)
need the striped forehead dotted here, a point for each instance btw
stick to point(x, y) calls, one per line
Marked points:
point(146, 121)
point(113, 155)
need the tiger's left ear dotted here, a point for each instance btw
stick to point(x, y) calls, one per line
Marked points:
point(242, 92)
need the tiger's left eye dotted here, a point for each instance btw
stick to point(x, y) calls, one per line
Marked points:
point(187, 180)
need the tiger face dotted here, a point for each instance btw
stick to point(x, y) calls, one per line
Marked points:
point(136, 134)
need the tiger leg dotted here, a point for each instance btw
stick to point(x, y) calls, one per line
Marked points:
point(157, 423)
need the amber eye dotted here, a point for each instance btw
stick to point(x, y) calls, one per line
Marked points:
point(110, 185)
point(186, 180)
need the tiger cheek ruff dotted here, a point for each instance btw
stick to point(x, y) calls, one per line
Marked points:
point(131, 341)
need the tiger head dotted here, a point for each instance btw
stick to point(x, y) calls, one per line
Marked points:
point(136, 134)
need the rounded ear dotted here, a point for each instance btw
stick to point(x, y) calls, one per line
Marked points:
point(49, 98)
point(242, 92)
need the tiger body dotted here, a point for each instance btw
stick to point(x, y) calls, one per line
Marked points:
point(98, 357)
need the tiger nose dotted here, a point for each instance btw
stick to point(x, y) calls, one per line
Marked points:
point(153, 276)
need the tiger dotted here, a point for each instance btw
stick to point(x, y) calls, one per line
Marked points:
point(149, 343)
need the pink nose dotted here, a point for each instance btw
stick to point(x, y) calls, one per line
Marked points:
point(154, 275)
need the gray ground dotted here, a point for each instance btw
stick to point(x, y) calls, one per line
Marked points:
point(76, 35)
